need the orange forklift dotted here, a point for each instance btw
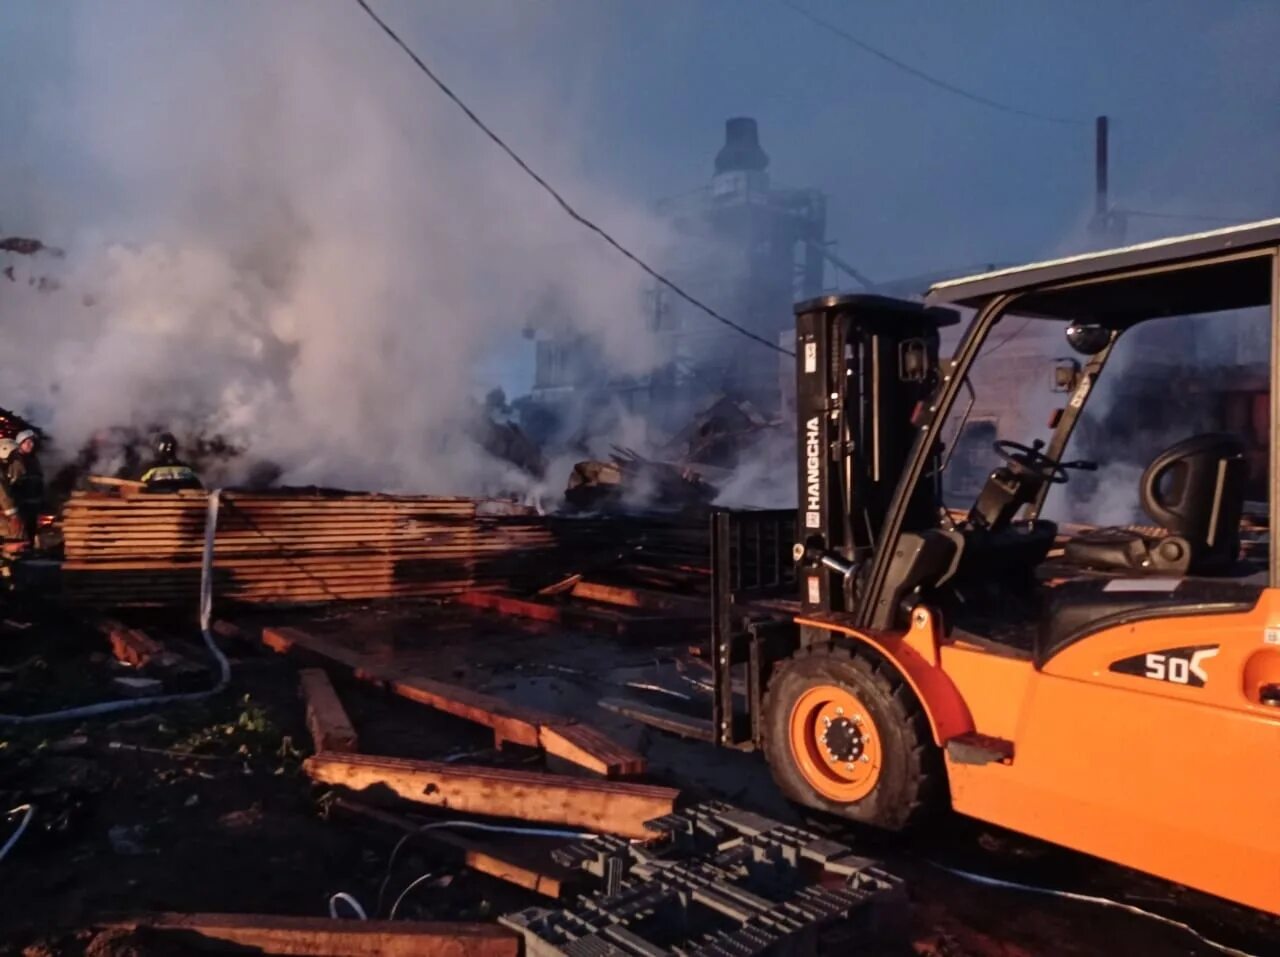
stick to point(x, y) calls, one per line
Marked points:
point(1115, 690)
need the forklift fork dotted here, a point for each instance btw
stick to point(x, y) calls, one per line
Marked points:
point(752, 569)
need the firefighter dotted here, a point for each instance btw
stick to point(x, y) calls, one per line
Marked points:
point(26, 482)
point(169, 473)
point(11, 524)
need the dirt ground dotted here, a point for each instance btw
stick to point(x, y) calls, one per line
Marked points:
point(203, 807)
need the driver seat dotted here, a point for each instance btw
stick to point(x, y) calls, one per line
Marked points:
point(1194, 490)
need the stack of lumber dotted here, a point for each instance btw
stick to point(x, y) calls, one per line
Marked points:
point(665, 552)
point(286, 546)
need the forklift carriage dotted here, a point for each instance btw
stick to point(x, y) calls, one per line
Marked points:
point(1112, 689)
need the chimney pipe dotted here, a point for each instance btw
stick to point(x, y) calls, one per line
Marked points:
point(1100, 169)
point(741, 150)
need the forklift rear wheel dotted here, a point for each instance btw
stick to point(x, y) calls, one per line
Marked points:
point(845, 735)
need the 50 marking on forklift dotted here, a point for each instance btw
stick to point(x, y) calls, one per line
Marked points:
point(1179, 666)
point(835, 743)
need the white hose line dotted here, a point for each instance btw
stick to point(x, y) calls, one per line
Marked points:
point(405, 893)
point(474, 826)
point(350, 901)
point(206, 613)
point(1090, 899)
point(13, 838)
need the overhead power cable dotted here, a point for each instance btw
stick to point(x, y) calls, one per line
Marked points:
point(563, 203)
point(929, 78)
point(1188, 217)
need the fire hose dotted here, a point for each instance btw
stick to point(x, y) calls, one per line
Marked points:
point(206, 613)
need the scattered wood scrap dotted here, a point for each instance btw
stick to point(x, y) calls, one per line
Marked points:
point(647, 625)
point(556, 735)
point(327, 720)
point(512, 860)
point(606, 806)
point(331, 938)
point(131, 646)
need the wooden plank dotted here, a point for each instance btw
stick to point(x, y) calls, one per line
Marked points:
point(512, 606)
point(111, 481)
point(606, 806)
point(673, 722)
point(640, 598)
point(518, 863)
point(327, 720)
point(331, 938)
point(589, 748)
point(525, 726)
point(583, 618)
point(510, 722)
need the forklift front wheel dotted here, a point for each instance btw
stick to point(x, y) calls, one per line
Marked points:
point(835, 743)
point(846, 737)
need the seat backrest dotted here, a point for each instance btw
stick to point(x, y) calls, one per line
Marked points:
point(1195, 489)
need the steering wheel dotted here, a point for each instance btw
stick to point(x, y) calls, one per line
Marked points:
point(1032, 460)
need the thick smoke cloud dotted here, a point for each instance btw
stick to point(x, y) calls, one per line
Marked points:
point(277, 231)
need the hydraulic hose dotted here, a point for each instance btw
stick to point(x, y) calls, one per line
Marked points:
point(206, 614)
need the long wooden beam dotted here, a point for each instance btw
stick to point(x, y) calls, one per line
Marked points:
point(605, 806)
point(331, 938)
point(525, 726)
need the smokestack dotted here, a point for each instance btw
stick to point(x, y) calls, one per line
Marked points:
point(1100, 202)
point(741, 150)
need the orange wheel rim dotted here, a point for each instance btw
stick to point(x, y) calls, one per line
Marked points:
point(835, 743)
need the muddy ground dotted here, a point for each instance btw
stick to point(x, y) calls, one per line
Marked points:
point(203, 807)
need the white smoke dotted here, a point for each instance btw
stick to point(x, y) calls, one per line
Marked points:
point(278, 231)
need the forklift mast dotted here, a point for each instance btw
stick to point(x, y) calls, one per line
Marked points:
point(865, 368)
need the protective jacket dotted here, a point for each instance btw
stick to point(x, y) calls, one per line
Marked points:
point(25, 479)
point(170, 475)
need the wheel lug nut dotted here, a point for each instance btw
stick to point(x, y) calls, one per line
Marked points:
point(866, 758)
point(839, 710)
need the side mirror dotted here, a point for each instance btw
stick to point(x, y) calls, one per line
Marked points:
point(1088, 340)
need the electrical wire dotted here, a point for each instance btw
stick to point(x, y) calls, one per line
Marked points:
point(929, 78)
point(30, 810)
point(475, 826)
point(1006, 340)
point(563, 203)
point(1188, 217)
point(405, 893)
point(206, 613)
point(1091, 899)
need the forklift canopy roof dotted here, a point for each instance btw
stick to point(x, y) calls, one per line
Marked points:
point(1158, 283)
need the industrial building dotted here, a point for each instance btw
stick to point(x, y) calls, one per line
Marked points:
point(746, 247)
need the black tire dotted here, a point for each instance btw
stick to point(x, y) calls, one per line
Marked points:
point(910, 777)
